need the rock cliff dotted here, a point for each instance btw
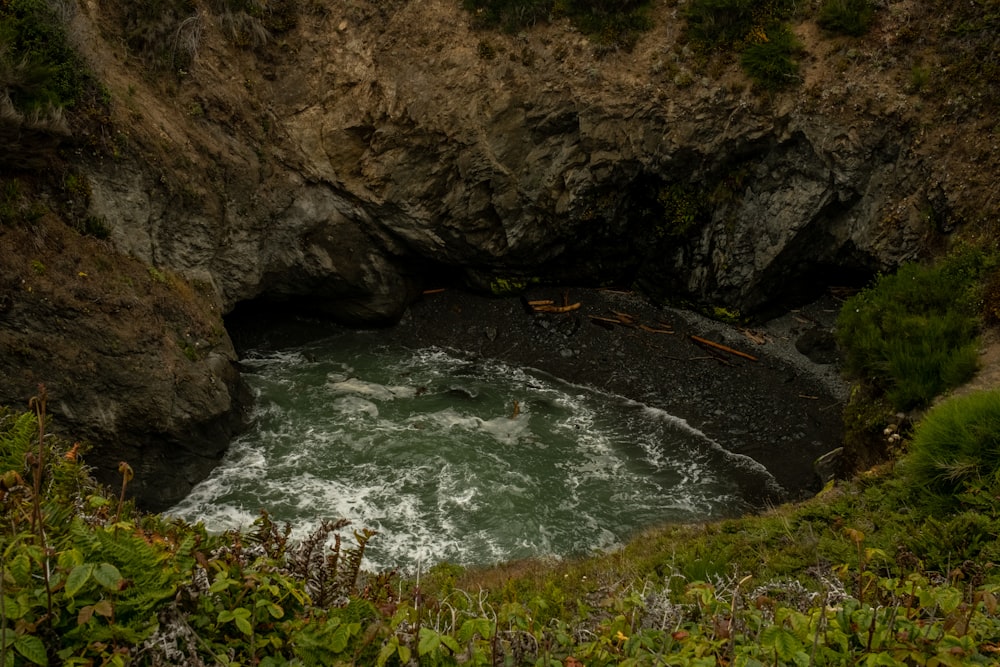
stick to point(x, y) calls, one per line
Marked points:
point(371, 149)
point(379, 146)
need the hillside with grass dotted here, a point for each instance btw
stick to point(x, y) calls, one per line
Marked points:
point(165, 161)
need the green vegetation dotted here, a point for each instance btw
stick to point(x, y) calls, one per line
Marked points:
point(769, 60)
point(969, 73)
point(685, 209)
point(912, 335)
point(508, 15)
point(729, 24)
point(848, 17)
point(754, 30)
point(847, 578)
point(500, 286)
point(956, 453)
point(610, 24)
point(40, 78)
point(39, 71)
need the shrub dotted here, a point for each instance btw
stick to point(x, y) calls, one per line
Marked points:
point(725, 24)
point(957, 446)
point(163, 33)
point(612, 25)
point(38, 69)
point(913, 334)
point(770, 60)
point(509, 15)
point(849, 17)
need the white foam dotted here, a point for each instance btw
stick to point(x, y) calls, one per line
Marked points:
point(443, 477)
point(371, 390)
point(355, 405)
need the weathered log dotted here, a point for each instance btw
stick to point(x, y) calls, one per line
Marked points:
point(556, 309)
point(719, 346)
point(654, 330)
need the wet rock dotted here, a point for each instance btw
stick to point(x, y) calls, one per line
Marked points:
point(819, 345)
point(830, 466)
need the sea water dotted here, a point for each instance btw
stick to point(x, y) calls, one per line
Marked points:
point(452, 457)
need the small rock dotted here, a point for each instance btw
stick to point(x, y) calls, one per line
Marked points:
point(829, 465)
point(819, 345)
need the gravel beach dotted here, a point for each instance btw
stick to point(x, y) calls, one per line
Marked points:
point(781, 408)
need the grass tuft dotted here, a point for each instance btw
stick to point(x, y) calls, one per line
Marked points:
point(957, 447)
point(913, 335)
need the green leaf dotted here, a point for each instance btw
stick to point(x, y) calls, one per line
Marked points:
point(429, 641)
point(220, 584)
point(387, 650)
point(240, 616)
point(243, 624)
point(107, 575)
point(883, 660)
point(272, 609)
point(475, 626)
point(32, 649)
point(342, 636)
point(949, 598)
point(11, 609)
point(78, 578)
point(450, 642)
point(20, 569)
point(783, 642)
point(70, 558)
point(404, 653)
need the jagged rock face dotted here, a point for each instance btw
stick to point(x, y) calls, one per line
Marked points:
point(396, 149)
point(135, 363)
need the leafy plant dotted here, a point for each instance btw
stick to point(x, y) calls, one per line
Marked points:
point(508, 15)
point(610, 24)
point(957, 446)
point(770, 58)
point(684, 210)
point(729, 24)
point(848, 17)
point(913, 334)
point(39, 71)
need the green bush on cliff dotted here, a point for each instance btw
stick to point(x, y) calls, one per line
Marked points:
point(849, 17)
point(729, 24)
point(39, 71)
point(770, 58)
point(509, 15)
point(956, 450)
point(611, 24)
point(912, 335)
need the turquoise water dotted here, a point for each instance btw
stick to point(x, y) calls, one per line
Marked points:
point(426, 447)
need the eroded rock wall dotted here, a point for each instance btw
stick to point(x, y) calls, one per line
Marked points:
point(398, 139)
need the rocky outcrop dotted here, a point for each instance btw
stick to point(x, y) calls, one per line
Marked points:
point(134, 362)
point(401, 146)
